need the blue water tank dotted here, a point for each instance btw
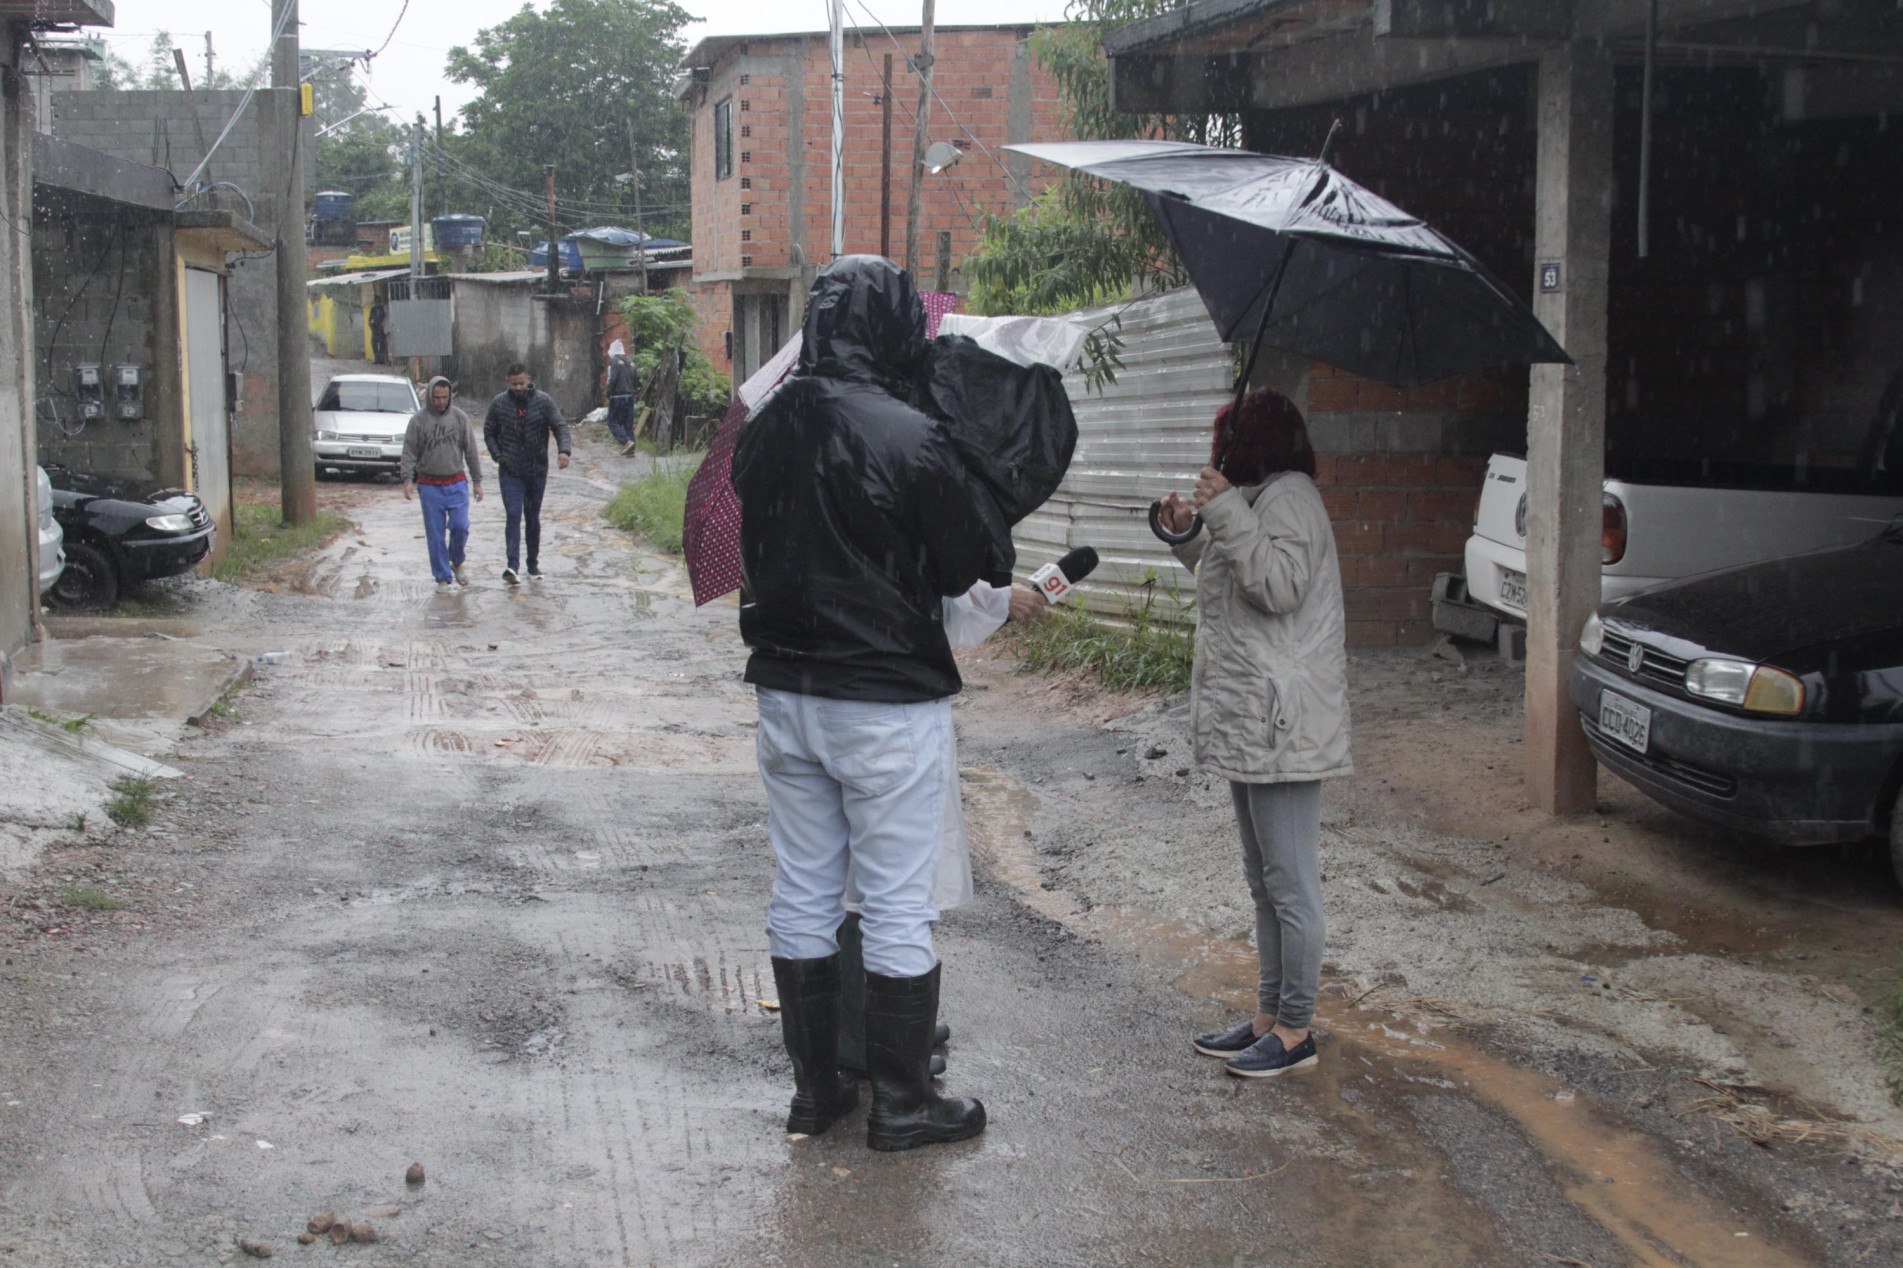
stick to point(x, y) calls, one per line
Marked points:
point(333, 204)
point(459, 229)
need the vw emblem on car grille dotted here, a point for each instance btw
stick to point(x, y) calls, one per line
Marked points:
point(1635, 658)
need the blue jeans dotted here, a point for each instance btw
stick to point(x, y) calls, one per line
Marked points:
point(522, 513)
point(445, 507)
point(621, 418)
point(860, 784)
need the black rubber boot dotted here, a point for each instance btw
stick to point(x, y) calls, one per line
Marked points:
point(809, 1020)
point(852, 1005)
point(901, 1015)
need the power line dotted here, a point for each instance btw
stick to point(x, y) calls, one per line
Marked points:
point(958, 123)
point(251, 90)
point(393, 28)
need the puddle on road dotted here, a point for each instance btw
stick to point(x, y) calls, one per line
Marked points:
point(1616, 1176)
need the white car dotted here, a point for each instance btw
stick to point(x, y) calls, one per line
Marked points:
point(52, 538)
point(1657, 530)
point(360, 421)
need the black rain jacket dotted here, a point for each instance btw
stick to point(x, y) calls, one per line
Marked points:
point(856, 513)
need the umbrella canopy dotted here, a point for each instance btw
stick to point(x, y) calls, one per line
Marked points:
point(1365, 286)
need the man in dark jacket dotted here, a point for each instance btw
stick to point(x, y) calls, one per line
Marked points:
point(856, 518)
point(620, 394)
point(516, 433)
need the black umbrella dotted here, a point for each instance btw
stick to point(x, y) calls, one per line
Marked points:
point(1316, 264)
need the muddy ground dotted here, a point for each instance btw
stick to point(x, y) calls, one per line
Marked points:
point(477, 880)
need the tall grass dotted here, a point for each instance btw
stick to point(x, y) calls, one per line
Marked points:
point(1152, 650)
point(261, 538)
point(654, 506)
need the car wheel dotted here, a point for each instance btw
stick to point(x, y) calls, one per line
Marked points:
point(89, 583)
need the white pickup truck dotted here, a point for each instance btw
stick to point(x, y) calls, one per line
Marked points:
point(1677, 520)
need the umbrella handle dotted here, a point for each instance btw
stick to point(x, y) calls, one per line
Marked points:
point(1174, 539)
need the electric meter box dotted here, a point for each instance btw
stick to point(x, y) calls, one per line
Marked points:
point(89, 390)
point(128, 383)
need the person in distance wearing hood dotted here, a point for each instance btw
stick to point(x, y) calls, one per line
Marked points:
point(620, 394)
point(440, 465)
point(856, 520)
point(516, 431)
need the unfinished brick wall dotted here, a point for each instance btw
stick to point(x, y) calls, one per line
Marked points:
point(772, 216)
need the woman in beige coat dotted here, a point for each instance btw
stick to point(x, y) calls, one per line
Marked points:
point(1269, 703)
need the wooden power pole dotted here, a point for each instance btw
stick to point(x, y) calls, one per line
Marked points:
point(923, 65)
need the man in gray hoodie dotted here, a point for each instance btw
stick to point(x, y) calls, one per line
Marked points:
point(440, 465)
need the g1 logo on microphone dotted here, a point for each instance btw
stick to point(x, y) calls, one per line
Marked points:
point(1051, 583)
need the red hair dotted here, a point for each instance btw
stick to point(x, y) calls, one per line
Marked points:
point(1272, 438)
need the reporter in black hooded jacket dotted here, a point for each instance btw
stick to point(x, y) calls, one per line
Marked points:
point(856, 518)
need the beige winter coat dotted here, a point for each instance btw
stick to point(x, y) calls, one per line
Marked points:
point(1269, 691)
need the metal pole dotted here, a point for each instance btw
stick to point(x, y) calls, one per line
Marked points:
point(837, 41)
point(442, 178)
point(210, 83)
point(416, 209)
point(885, 162)
point(922, 64)
point(634, 177)
point(554, 247)
point(297, 472)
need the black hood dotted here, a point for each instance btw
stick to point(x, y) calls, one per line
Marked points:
point(1763, 611)
point(117, 488)
point(864, 323)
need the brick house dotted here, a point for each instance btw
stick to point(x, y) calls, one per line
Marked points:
point(761, 160)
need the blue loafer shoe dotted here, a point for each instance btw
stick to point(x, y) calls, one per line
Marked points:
point(1226, 1043)
point(1266, 1058)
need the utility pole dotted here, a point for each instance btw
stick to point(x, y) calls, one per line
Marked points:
point(837, 42)
point(885, 162)
point(634, 178)
point(416, 229)
point(923, 65)
point(442, 179)
point(554, 247)
point(210, 83)
point(297, 473)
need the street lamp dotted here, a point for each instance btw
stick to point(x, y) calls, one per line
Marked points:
point(941, 155)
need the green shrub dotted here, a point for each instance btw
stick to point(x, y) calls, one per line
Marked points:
point(131, 807)
point(662, 322)
point(89, 898)
point(1150, 651)
point(654, 506)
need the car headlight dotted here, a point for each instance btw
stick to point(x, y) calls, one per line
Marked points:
point(1592, 636)
point(1758, 688)
point(170, 523)
point(327, 435)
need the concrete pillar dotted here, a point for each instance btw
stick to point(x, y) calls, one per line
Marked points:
point(1566, 418)
point(19, 485)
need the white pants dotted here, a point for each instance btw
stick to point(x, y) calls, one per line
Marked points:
point(855, 785)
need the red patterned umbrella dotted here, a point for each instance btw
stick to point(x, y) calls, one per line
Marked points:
point(711, 531)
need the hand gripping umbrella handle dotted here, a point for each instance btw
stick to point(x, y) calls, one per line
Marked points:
point(1174, 539)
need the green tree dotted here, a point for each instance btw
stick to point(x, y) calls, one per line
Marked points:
point(560, 86)
point(1086, 242)
point(360, 150)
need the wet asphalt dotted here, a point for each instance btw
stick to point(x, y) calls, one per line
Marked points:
point(477, 880)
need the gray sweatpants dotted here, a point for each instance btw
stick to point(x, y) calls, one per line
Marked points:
point(1281, 856)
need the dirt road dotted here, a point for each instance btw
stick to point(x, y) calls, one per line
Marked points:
point(477, 880)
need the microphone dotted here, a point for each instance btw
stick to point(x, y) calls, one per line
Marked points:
point(1054, 581)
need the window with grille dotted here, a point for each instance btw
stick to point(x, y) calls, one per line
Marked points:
point(723, 139)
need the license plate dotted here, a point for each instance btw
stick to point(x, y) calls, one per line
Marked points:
point(363, 451)
point(1626, 721)
point(1513, 589)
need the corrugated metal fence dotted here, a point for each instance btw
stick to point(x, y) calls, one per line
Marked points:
point(1142, 436)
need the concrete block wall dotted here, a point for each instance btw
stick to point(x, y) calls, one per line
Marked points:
point(497, 324)
point(156, 127)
